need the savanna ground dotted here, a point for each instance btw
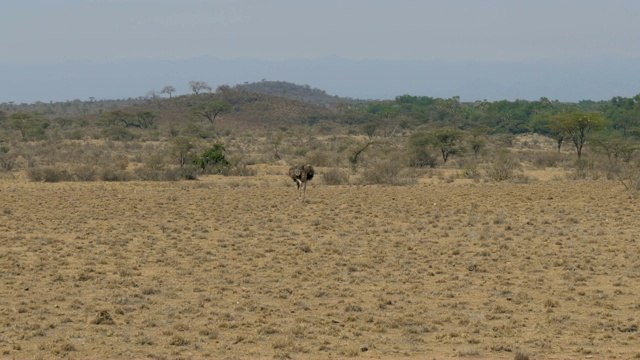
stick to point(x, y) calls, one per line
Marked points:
point(228, 267)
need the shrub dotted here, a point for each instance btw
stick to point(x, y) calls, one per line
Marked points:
point(212, 159)
point(76, 134)
point(165, 174)
point(239, 170)
point(584, 169)
point(85, 173)
point(386, 172)
point(7, 161)
point(48, 174)
point(118, 133)
point(504, 166)
point(505, 139)
point(237, 167)
point(111, 173)
point(421, 157)
point(335, 177)
point(317, 158)
point(521, 356)
point(189, 172)
point(300, 152)
point(548, 159)
point(470, 170)
point(153, 169)
point(629, 177)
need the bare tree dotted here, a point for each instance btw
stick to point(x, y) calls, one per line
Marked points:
point(369, 130)
point(198, 86)
point(168, 90)
point(152, 95)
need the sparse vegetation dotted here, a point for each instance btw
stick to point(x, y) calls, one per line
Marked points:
point(335, 177)
point(504, 167)
point(418, 253)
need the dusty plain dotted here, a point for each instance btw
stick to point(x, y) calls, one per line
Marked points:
point(239, 268)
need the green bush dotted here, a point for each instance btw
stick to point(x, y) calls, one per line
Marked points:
point(300, 152)
point(213, 159)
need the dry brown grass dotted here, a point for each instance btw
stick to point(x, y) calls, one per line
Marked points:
point(227, 267)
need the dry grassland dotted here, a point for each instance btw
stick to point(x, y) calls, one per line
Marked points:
point(238, 268)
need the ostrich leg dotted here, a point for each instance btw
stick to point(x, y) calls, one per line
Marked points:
point(304, 193)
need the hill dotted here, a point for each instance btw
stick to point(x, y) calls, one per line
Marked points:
point(294, 91)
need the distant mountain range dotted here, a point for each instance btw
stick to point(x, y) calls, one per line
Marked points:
point(569, 82)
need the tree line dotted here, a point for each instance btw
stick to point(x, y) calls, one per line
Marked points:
point(613, 125)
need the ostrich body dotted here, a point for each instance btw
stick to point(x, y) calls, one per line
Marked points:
point(301, 174)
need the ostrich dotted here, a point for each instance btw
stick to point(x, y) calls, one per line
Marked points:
point(301, 174)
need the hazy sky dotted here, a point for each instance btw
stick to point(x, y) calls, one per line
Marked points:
point(36, 31)
point(55, 50)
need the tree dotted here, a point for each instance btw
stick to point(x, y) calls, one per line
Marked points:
point(625, 120)
point(355, 158)
point(447, 141)
point(30, 126)
point(211, 110)
point(420, 156)
point(276, 141)
point(198, 86)
point(63, 122)
point(577, 126)
point(617, 147)
point(557, 130)
point(477, 142)
point(370, 129)
point(168, 90)
point(142, 119)
point(183, 150)
point(619, 150)
point(145, 119)
point(111, 118)
point(152, 94)
point(478, 139)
